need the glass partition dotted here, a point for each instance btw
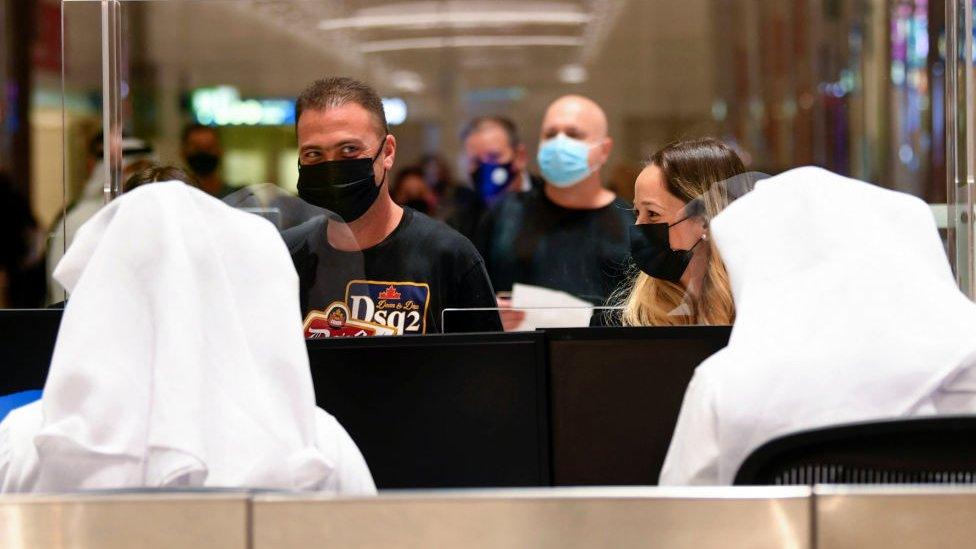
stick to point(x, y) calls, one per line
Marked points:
point(469, 91)
point(960, 126)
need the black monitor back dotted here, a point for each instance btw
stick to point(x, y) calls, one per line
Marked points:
point(616, 394)
point(466, 410)
point(27, 339)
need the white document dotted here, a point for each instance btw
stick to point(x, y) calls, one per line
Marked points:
point(548, 308)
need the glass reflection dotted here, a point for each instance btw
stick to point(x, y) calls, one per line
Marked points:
point(210, 87)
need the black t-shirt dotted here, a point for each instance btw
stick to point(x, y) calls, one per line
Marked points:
point(462, 208)
point(527, 238)
point(398, 287)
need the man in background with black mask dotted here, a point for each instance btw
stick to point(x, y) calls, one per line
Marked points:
point(369, 266)
point(202, 153)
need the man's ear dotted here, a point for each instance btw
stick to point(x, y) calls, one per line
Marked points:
point(389, 152)
point(607, 148)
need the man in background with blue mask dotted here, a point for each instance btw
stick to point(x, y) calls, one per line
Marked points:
point(497, 158)
point(570, 234)
point(496, 165)
point(368, 266)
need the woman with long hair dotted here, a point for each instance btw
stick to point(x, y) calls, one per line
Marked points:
point(681, 279)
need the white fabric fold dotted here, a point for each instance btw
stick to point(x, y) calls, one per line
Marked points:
point(180, 359)
point(846, 310)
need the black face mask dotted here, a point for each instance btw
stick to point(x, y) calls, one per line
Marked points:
point(203, 163)
point(346, 187)
point(650, 247)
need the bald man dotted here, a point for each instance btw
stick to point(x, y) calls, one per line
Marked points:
point(570, 234)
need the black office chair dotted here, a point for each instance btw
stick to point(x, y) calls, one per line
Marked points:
point(929, 450)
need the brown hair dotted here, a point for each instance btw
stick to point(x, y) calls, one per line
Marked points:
point(193, 128)
point(156, 174)
point(690, 169)
point(336, 91)
point(506, 124)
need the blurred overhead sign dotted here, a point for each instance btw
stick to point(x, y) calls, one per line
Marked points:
point(223, 106)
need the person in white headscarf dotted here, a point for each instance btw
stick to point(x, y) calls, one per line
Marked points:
point(847, 311)
point(179, 362)
point(136, 154)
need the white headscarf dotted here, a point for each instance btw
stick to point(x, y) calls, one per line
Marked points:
point(846, 310)
point(180, 359)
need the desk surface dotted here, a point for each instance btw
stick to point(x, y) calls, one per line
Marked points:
point(825, 516)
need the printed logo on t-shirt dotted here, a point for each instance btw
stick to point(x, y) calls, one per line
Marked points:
point(335, 322)
point(401, 306)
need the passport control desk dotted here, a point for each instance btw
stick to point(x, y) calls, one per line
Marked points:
point(569, 407)
point(832, 517)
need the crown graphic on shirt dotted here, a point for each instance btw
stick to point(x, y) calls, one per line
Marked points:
point(390, 294)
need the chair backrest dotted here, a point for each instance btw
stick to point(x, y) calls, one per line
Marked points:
point(929, 450)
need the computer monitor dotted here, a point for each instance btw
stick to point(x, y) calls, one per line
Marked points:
point(27, 339)
point(616, 394)
point(438, 411)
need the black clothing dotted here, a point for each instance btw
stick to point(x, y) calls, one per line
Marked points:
point(401, 285)
point(527, 238)
point(536, 182)
point(462, 208)
point(20, 261)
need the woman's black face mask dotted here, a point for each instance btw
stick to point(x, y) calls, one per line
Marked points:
point(650, 247)
point(346, 187)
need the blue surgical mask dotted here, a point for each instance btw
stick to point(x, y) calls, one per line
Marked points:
point(564, 161)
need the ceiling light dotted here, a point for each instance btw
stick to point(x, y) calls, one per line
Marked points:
point(438, 42)
point(456, 19)
point(395, 110)
point(573, 74)
point(407, 81)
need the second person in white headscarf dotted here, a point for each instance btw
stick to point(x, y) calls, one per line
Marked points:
point(846, 310)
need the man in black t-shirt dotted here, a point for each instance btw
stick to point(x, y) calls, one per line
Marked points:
point(572, 233)
point(370, 267)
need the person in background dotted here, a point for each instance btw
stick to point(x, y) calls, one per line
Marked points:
point(369, 266)
point(681, 278)
point(456, 204)
point(846, 311)
point(497, 158)
point(136, 155)
point(571, 234)
point(21, 251)
point(410, 189)
point(203, 153)
point(438, 175)
point(497, 163)
point(179, 362)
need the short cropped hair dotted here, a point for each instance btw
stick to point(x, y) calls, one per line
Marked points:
point(156, 174)
point(503, 122)
point(336, 91)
